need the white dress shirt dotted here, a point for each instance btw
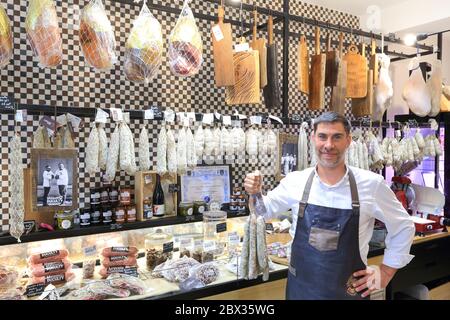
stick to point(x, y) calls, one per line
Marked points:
point(48, 176)
point(63, 177)
point(377, 201)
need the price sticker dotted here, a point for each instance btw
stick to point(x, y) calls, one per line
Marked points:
point(233, 238)
point(149, 114)
point(169, 116)
point(117, 114)
point(241, 47)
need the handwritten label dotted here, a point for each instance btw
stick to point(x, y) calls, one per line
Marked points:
point(168, 247)
point(218, 34)
point(149, 114)
point(6, 102)
point(221, 227)
point(241, 47)
point(34, 289)
point(208, 118)
point(269, 227)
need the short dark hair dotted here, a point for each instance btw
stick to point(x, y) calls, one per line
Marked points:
point(332, 117)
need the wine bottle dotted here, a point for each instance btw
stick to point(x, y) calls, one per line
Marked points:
point(158, 199)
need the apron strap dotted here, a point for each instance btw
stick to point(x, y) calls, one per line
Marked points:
point(353, 191)
point(304, 201)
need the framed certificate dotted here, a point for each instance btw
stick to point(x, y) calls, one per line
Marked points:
point(206, 183)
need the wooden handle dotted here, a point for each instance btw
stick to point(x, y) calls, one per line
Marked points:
point(341, 43)
point(221, 13)
point(255, 23)
point(373, 47)
point(363, 49)
point(317, 40)
point(328, 42)
point(270, 29)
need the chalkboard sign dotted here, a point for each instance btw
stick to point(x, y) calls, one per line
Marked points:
point(34, 289)
point(221, 227)
point(173, 188)
point(131, 271)
point(167, 247)
point(6, 103)
point(29, 226)
point(269, 227)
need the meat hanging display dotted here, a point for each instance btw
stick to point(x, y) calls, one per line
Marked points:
point(97, 37)
point(143, 49)
point(161, 160)
point(113, 154)
point(103, 147)
point(185, 45)
point(6, 41)
point(92, 151)
point(144, 150)
point(16, 187)
point(43, 32)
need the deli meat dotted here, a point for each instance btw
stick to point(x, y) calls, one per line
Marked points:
point(49, 268)
point(119, 251)
point(54, 278)
point(114, 261)
point(49, 256)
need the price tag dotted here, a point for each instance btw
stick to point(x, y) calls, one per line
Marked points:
point(209, 245)
point(90, 251)
point(208, 118)
point(227, 120)
point(217, 115)
point(34, 289)
point(218, 34)
point(19, 116)
point(148, 179)
point(78, 122)
point(221, 227)
point(116, 114)
point(198, 243)
point(241, 47)
point(169, 116)
point(233, 238)
point(255, 119)
point(186, 122)
point(168, 247)
point(191, 115)
point(276, 119)
point(269, 227)
point(149, 114)
point(62, 119)
point(185, 242)
point(29, 226)
point(6, 103)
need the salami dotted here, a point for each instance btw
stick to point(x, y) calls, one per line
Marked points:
point(49, 256)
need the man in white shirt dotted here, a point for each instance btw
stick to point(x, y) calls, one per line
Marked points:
point(62, 180)
point(47, 176)
point(334, 208)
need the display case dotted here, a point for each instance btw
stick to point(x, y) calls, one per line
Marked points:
point(181, 275)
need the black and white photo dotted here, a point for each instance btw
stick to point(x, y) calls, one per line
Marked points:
point(287, 154)
point(55, 178)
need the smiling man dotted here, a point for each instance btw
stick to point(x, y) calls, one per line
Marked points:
point(334, 207)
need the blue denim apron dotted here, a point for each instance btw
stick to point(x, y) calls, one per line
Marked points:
point(325, 251)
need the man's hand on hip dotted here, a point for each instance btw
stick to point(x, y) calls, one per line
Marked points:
point(373, 278)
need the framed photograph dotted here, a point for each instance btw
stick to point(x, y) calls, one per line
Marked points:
point(287, 154)
point(54, 180)
point(206, 183)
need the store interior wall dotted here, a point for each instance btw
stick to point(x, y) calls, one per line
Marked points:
point(75, 84)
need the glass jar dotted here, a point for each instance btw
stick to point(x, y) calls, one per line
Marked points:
point(65, 219)
point(185, 209)
point(113, 196)
point(147, 208)
point(104, 196)
point(107, 215)
point(131, 213)
point(125, 196)
point(158, 248)
point(85, 217)
point(95, 196)
point(199, 207)
point(215, 234)
point(95, 215)
point(120, 214)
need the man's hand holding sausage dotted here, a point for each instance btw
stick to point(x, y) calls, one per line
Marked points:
point(253, 183)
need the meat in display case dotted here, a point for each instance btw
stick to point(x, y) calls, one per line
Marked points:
point(116, 264)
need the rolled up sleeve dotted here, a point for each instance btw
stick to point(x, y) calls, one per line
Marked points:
point(400, 227)
point(281, 198)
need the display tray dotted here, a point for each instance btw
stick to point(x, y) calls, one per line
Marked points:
point(59, 234)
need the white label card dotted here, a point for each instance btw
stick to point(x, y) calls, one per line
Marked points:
point(149, 114)
point(218, 34)
point(233, 238)
point(169, 116)
point(227, 120)
point(255, 119)
point(241, 47)
point(117, 114)
point(126, 117)
point(208, 118)
point(62, 119)
point(185, 242)
point(90, 251)
point(19, 116)
point(101, 116)
point(209, 245)
point(148, 179)
point(191, 115)
point(198, 243)
point(78, 122)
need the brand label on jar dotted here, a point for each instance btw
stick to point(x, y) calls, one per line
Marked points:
point(113, 195)
point(66, 224)
point(168, 247)
point(158, 210)
point(221, 227)
point(53, 266)
point(190, 212)
point(49, 254)
point(131, 213)
point(201, 209)
point(125, 194)
point(120, 249)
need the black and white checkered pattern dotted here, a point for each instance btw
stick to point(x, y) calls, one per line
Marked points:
point(73, 83)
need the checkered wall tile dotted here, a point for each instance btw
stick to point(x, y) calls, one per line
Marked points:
point(73, 83)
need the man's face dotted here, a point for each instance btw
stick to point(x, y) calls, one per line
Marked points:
point(61, 166)
point(331, 142)
point(47, 168)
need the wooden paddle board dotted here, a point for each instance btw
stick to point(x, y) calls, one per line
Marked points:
point(317, 77)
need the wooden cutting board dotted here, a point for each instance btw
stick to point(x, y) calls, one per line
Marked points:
point(317, 77)
point(332, 65)
point(272, 95)
point(260, 46)
point(222, 51)
point(339, 91)
point(364, 106)
point(356, 73)
point(246, 89)
point(374, 61)
point(303, 66)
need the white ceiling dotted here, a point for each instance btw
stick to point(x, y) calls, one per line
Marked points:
point(356, 7)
